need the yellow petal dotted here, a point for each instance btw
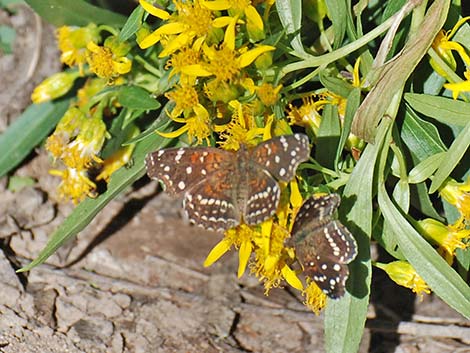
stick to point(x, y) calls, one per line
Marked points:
point(253, 16)
point(175, 44)
point(195, 70)
point(295, 196)
point(175, 133)
point(122, 66)
point(217, 5)
point(155, 36)
point(221, 22)
point(229, 37)
point(243, 257)
point(291, 278)
point(217, 251)
point(247, 58)
point(154, 10)
point(270, 262)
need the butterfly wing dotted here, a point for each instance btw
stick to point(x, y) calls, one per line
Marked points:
point(212, 204)
point(180, 169)
point(324, 246)
point(262, 197)
point(281, 155)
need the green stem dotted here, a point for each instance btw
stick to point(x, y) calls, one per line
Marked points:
point(149, 67)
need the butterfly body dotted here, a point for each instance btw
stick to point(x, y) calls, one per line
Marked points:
point(222, 188)
point(323, 245)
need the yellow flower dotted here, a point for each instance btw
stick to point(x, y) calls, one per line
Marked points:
point(458, 87)
point(83, 151)
point(268, 94)
point(240, 237)
point(443, 45)
point(242, 128)
point(241, 9)
point(225, 63)
point(307, 115)
point(198, 125)
point(190, 20)
point(105, 62)
point(185, 97)
point(458, 195)
point(119, 158)
point(448, 238)
point(54, 86)
point(315, 299)
point(67, 128)
point(75, 184)
point(405, 275)
point(73, 42)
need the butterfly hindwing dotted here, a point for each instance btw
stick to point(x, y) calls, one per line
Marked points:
point(323, 245)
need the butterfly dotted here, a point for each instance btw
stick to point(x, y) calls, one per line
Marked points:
point(223, 188)
point(323, 245)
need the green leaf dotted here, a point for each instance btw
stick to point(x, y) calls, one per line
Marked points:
point(84, 213)
point(335, 85)
point(421, 137)
point(27, 131)
point(421, 201)
point(352, 103)
point(440, 277)
point(328, 137)
point(132, 24)
point(338, 13)
point(134, 97)
point(74, 13)
point(290, 15)
point(426, 168)
point(453, 156)
point(345, 318)
point(393, 75)
point(445, 110)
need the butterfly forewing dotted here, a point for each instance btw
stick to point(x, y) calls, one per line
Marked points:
point(323, 245)
point(181, 168)
point(281, 155)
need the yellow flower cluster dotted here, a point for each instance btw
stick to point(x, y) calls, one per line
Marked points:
point(222, 87)
point(81, 133)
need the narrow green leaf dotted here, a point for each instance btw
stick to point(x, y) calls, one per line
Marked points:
point(335, 85)
point(74, 13)
point(290, 15)
point(132, 24)
point(445, 110)
point(338, 13)
point(328, 137)
point(426, 168)
point(393, 75)
point(345, 318)
point(134, 97)
point(440, 277)
point(421, 137)
point(27, 131)
point(453, 156)
point(352, 103)
point(421, 201)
